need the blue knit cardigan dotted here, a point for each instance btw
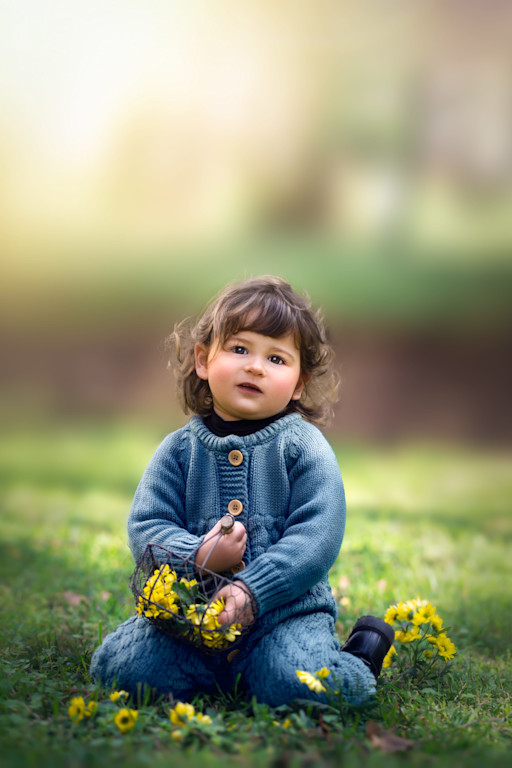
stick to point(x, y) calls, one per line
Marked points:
point(293, 500)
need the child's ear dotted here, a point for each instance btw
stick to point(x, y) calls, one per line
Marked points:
point(201, 358)
point(303, 380)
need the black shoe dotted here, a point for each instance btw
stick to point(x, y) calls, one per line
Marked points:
point(370, 640)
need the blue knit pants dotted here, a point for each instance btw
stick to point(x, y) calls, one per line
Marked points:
point(138, 653)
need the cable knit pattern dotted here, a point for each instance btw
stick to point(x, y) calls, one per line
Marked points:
point(137, 652)
point(294, 511)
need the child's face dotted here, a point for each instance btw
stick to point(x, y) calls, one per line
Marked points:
point(251, 376)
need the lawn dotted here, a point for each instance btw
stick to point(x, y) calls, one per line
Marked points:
point(427, 521)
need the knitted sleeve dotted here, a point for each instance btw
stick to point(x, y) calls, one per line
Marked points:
point(157, 515)
point(313, 533)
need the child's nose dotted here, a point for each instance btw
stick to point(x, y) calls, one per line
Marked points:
point(254, 364)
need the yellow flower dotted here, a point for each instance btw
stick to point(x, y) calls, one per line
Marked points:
point(211, 639)
point(195, 614)
point(388, 658)
point(116, 695)
point(159, 599)
point(188, 584)
point(161, 606)
point(170, 607)
point(218, 606)
point(404, 611)
point(177, 736)
point(233, 632)
point(210, 620)
point(445, 647)
point(76, 709)
point(408, 635)
point(126, 719)
point(204, 616)
point(181, 713)
point(204, 719)
point(424, 613)
point(285, 724)
point(151, 611)
point(168, 576)
point(312, 682)
point(390, 615)
point(91, 708)
point(324, 672)
point(436, 622)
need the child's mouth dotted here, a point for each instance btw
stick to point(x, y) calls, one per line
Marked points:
point(249, 387)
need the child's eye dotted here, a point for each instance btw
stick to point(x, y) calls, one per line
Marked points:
point(239, 350)
point(276, 359)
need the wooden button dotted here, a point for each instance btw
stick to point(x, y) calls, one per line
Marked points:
point(235, 458)
point(235, 507)
point(227, 522)
point(231, 655)
point(238, 567)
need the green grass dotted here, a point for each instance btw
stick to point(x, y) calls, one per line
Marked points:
point(424, 521)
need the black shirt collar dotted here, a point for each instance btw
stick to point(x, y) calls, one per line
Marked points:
point(243, 427)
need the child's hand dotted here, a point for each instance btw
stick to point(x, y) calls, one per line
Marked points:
point(238, 606)
point(228, 549)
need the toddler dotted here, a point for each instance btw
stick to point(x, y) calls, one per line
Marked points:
point(256, 371)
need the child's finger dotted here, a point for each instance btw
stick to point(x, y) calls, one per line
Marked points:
point(239, 532)
point(236, 540)
point(237, 608)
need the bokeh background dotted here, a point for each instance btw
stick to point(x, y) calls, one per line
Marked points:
point(152, 151)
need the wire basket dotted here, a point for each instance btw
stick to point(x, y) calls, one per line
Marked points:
point(180, 599)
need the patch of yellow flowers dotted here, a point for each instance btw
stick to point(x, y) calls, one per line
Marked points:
point(183, 713)
point(191, 615)
point(314, 680)
point(185, 718)
point(125, 718)
point(420, 629)
point(78, 709)
point(187, 724)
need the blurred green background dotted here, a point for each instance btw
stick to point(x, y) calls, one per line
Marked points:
point(153, 151)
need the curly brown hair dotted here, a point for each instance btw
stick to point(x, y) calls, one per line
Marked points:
point(266, 305)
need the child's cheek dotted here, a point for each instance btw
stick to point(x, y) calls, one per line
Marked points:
point(285, 387)
point(223, 368)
